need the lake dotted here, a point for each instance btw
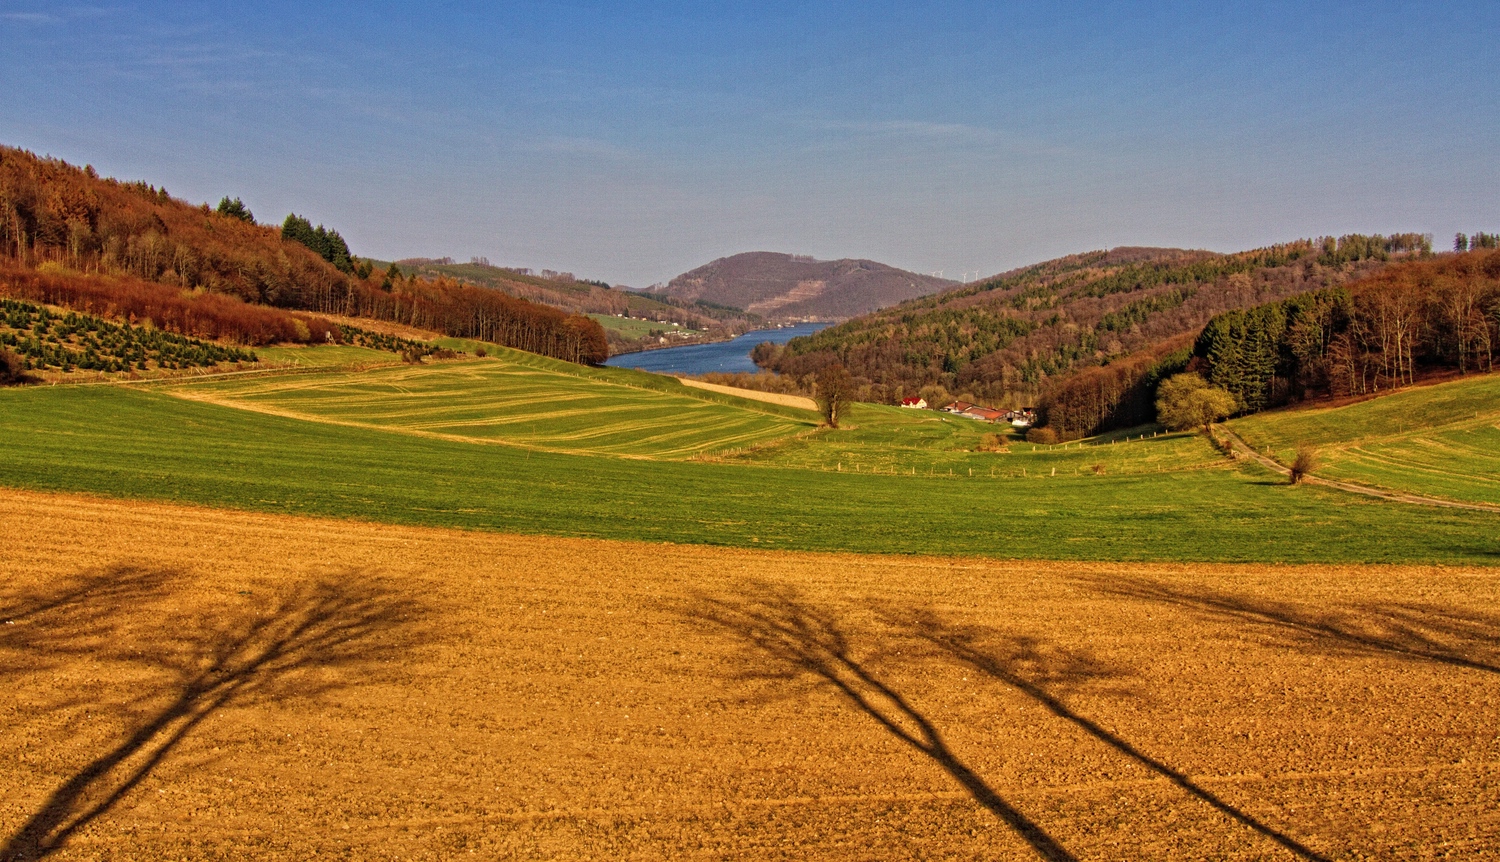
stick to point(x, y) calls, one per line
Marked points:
point(726, 356)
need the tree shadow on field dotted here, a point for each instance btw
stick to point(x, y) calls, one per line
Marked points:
point(300, 640)
point(1400, 630)
point(1043, 673)
point(804, 642)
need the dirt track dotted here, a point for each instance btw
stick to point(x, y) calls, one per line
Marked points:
point(1269, 463)
point(753, 394)
point(270, 687)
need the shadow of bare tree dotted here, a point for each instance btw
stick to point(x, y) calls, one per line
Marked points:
point(1042, 673)
point(1406, 631)
point(296, 642)
point(77, 615)
point(803, 641)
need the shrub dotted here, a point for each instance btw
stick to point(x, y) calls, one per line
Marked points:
point(992, 442)
point(481, 352)
point(1044, 436)
point(12, 367)
point(1305, 462)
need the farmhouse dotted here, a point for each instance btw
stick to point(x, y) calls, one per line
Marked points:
point(1023, 418)
point(986, 414)
point(975, 411)
point(914, 403)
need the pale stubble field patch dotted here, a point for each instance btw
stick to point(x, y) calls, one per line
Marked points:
point(265, 685)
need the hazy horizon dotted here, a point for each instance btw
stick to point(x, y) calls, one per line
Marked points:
point(632, 144)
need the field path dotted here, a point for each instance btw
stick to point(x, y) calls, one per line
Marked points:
point(190, 683)
point(753, 394)
point(1269, 463)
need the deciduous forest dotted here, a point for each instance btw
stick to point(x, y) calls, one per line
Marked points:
point(1412, 319)
point(70, 237)
point(1013, 338)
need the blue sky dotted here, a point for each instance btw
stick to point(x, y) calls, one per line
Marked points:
point(630, 142)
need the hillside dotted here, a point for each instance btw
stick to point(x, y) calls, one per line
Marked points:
point(1440, 441)
point(517, 399)
point(128, 249)
point(1007, 340)
point(620, 310)
point(526, 444)
point(1412, 320)
point(786, 287)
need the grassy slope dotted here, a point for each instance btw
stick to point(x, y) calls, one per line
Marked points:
point(324, 356)
point(506, 399)
point(924, 442)
point(143, 444)
point(631, 327)
point(1441, 441)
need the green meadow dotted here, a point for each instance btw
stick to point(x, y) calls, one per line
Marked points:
point(502, 400)
point(1437, 441)
point(889, 440)
point(618, 454)
point(324, 356)
point(631, 327)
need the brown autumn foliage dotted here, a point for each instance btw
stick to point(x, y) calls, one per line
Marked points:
point(1410, 320)
point(12, 367)
point(1117, 395)
point(127, 237)
point(1009, 340)
point(1305, 462)
point(200, 314)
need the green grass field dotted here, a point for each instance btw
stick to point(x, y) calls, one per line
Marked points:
point(325, 356)
point(508, 399)
point(1439, 441)
point(143, 442)
point(630, 327)
point(883, 439)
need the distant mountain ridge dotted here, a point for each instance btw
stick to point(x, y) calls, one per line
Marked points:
point(783, 287)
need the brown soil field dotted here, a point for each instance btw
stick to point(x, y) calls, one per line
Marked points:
point(191, 684)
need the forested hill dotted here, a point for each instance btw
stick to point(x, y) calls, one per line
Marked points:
point(1430, 316)
point(1006, 340)
point(783, 287)
point(70, 237)
point(566, 291)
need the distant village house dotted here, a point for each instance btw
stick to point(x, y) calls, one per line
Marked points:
point(1020, 418)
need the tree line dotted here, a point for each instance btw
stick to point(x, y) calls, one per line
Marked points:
point(464, 311)
point(1380, 333)
point(197, 314)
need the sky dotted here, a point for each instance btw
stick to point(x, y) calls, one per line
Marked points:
point(630, 142)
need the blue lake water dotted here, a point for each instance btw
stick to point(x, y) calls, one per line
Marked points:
point(726, 356)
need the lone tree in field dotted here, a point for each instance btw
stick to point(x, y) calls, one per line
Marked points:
point(1305, 462)
point(835, 390)
point(1187, 401)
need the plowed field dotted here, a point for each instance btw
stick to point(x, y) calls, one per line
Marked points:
point(194, 684)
